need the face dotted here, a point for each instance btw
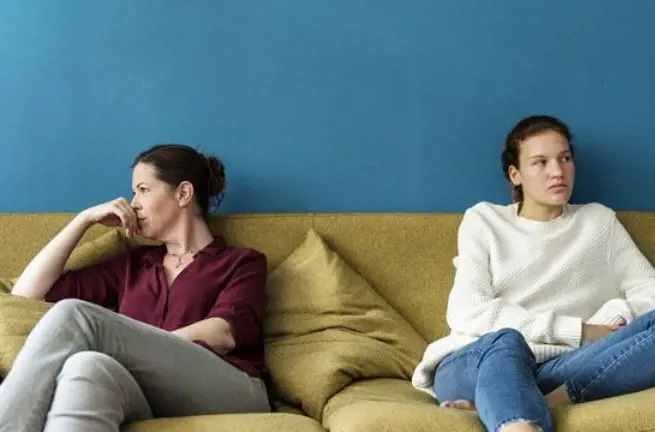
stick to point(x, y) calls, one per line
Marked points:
point(154, 202)
point(546, 170)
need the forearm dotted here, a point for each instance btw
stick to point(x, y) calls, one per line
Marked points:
point(215, 332)
point(47, 266)
point(471, 314)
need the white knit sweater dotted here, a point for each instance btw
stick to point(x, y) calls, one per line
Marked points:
point(543, 279)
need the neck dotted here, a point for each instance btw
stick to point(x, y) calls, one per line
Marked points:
point(189, 235)
point(539, 213)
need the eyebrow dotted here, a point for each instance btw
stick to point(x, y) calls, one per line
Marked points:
point(544, 157)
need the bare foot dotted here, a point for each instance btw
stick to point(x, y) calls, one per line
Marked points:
point(559, 396)
point(459, 404)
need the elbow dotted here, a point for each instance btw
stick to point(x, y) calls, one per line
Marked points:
point(456, 322)
point(460, 322)
point(223, 340)
point(20, 291)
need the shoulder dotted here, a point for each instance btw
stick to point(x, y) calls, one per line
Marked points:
point(243, 255)
point(483, 222)
point(593, 213)
point(233, 260)
point(489, 209)
point(488, 214)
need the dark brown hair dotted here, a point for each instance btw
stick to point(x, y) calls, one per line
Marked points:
point(176, 163)
point(527, 128)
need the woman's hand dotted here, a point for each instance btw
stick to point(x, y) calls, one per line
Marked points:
point(117, 212)
point(594, 332)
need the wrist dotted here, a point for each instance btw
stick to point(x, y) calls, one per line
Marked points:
point(83, 221)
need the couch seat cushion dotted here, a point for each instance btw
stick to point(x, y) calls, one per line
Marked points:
point(276, 422)
point(386, 405)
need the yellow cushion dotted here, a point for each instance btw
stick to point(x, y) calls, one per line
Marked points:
point(275, 422)
point(5, 285)
point(387, 405)
point(19, 315)
point(102, 248)
point(326, 327)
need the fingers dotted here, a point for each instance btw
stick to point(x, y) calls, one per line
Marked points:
point(126, 214)
point(618, 322)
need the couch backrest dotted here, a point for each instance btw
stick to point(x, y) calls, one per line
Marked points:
point(407, 258)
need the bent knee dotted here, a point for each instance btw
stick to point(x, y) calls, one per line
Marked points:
point(65, 310)
point(510, 338)
point(90, 364)
point(67, 307)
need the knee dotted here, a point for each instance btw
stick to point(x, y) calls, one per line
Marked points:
point(90, 364)
point(510, 338)
point(521, 425)
point(65, 310)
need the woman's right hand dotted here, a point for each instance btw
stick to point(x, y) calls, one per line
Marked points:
point(114, 213)
point(594, 332)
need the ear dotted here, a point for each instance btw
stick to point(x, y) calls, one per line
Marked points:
point(184, 194)
point(514, 175)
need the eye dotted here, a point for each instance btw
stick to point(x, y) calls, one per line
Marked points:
point(143, 189)
point(539, 162)
point(567, 158)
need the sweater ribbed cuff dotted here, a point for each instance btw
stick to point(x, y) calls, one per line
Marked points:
point(567, 330)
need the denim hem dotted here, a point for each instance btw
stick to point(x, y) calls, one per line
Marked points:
point(516, 420)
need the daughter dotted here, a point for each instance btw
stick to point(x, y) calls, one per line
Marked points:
point(551, 301)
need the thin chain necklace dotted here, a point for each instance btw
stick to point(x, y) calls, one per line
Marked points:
point(181, 256)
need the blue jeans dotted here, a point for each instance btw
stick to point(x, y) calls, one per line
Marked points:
point(498, 372)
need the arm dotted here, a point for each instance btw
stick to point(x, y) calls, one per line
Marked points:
point(47, 266)
point(635, 276)
point(474, 308)
point(45, 270)
point(235, 320)
point(216, 333)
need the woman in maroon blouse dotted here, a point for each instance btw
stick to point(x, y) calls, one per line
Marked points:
point(161, 331)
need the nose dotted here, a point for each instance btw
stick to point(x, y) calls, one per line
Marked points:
point(134, 203)
point(556, 169)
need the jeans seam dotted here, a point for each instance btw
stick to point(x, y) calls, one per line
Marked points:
point(611, 366)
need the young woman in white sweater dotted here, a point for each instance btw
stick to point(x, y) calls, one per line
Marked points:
point(551, 302)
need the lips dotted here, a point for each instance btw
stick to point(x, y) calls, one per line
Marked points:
point(557, 187)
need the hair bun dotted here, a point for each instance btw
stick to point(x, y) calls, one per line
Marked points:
point(216, 176)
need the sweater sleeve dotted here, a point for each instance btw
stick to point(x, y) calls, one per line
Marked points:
point(474, 308)
point(634, 274)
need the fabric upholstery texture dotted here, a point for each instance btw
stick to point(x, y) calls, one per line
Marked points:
point(330, 355)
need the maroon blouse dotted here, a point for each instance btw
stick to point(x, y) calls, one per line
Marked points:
point(222, 281)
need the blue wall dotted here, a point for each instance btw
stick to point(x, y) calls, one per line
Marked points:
point(339, 105)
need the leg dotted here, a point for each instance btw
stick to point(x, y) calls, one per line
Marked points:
point(497, 373)
point(177, 377)
point(620, 363)
point(95, 392)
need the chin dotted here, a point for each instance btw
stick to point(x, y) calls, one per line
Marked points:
point(146, 233)
point(560, 201)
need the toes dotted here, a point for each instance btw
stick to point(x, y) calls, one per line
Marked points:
point(458, 404)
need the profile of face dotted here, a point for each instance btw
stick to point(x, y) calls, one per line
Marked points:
point(546, 170)
point(157, 205)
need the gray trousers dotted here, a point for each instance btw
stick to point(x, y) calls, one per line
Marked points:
point(85, 368)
